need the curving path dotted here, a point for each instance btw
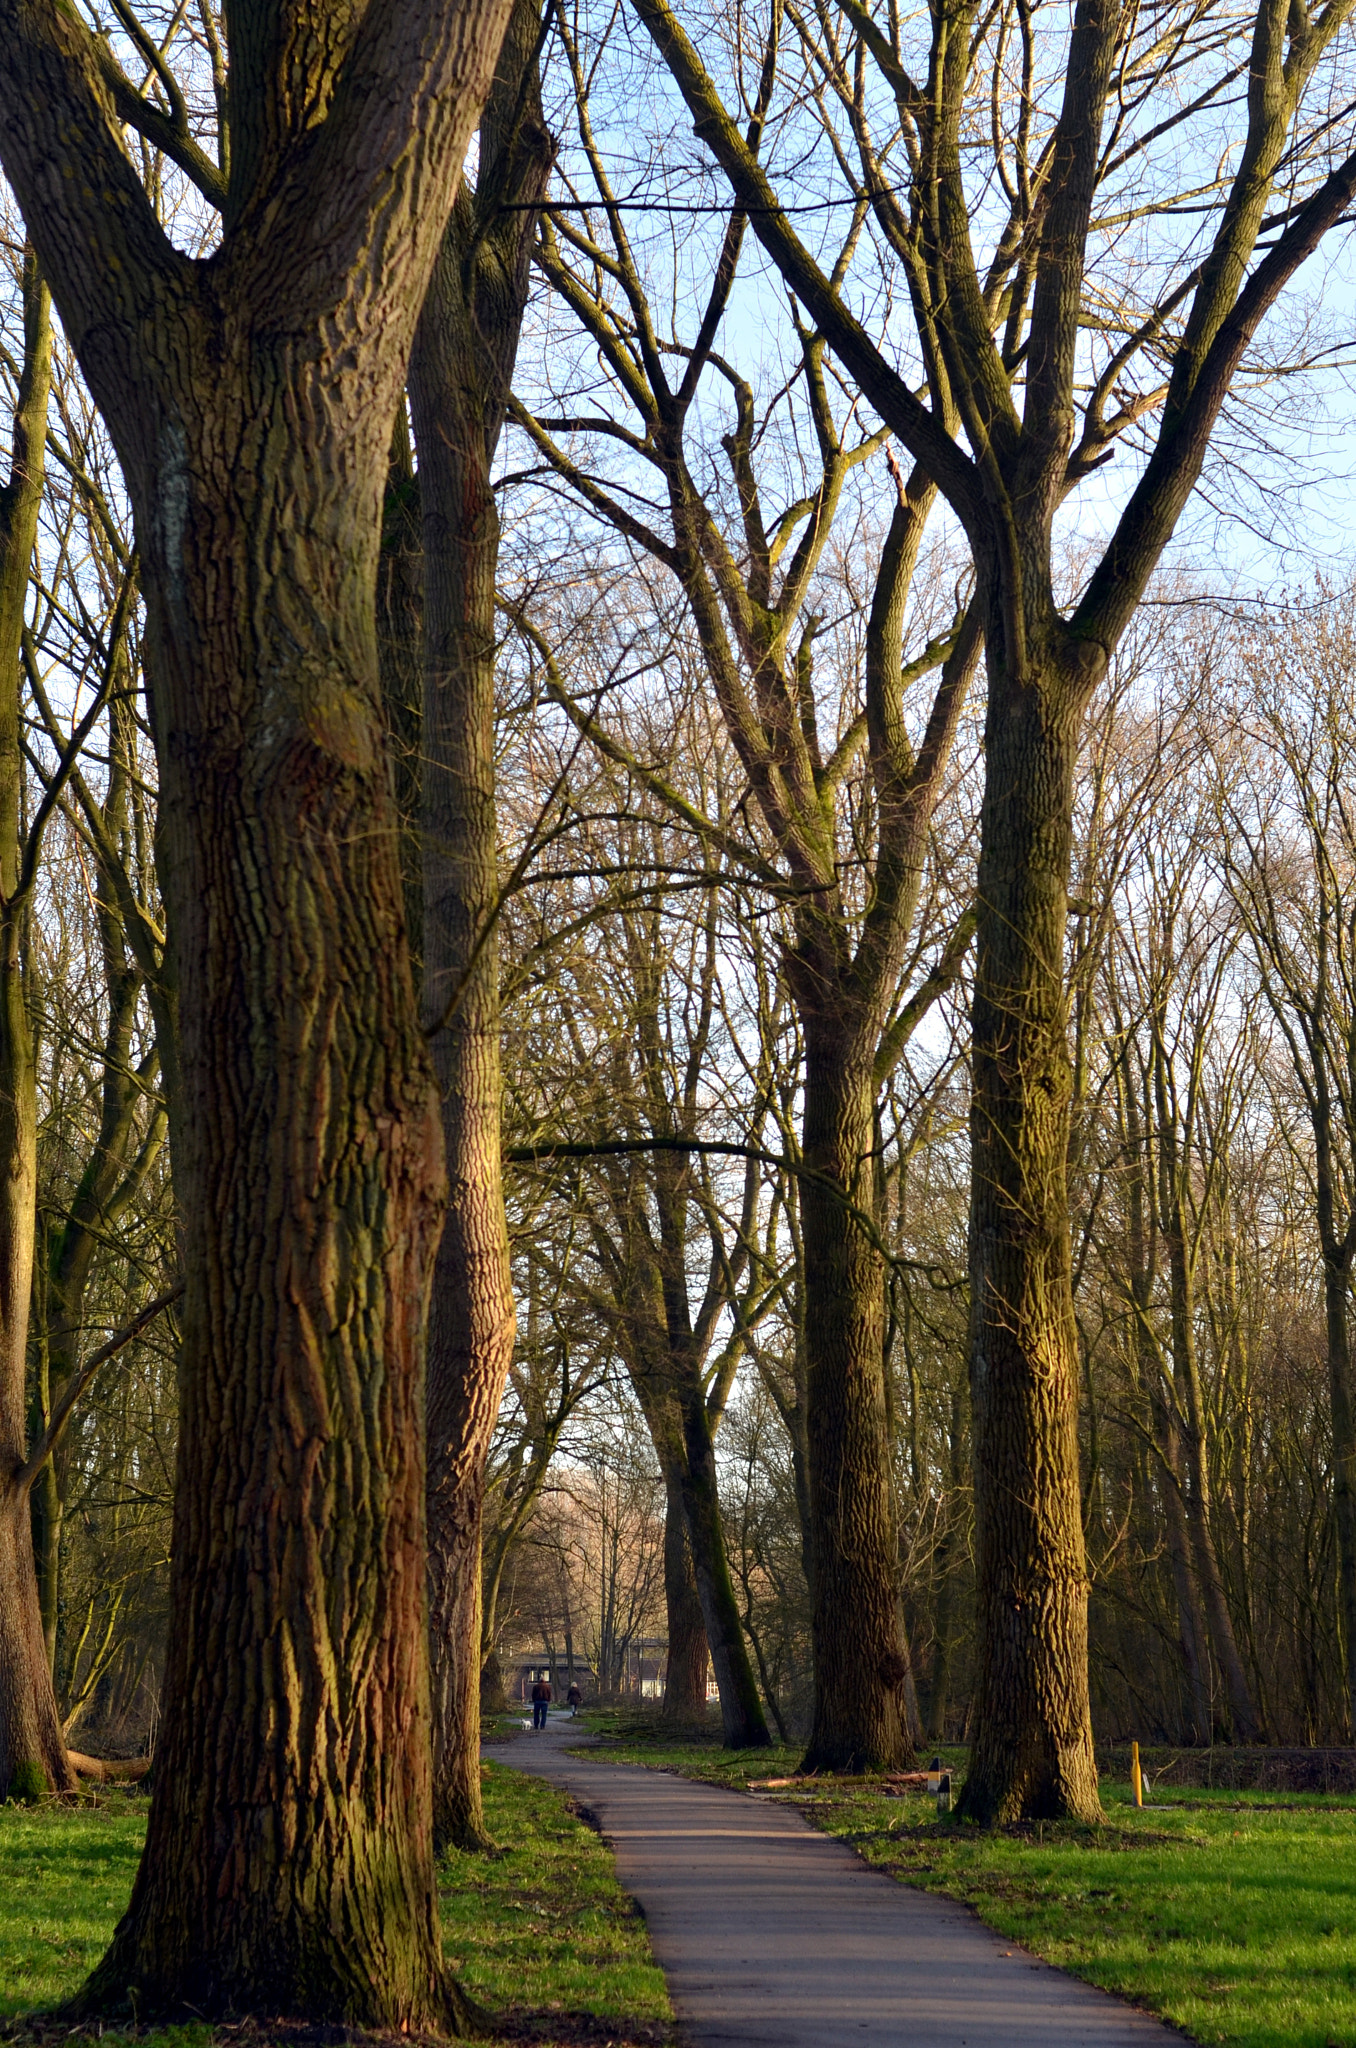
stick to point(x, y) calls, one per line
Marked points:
point(773, 1936)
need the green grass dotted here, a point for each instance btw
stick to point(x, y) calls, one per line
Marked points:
point(1232, 1914)
point(539, 1931)
point(544, 1925)
point(65, 1873)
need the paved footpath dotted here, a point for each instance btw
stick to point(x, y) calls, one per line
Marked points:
point(772, 1935)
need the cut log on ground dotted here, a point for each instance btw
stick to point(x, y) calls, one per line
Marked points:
point(120, 1770)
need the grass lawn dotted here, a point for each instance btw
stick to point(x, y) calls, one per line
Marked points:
point(1232, 1914)
point(539, 1932)
point(544, 1926)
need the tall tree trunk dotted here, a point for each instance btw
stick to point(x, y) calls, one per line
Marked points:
point(1245, 1725)
point(1185, 1583)
point(460, 371)
point(860, 1720)
point(32, 1752)
point(939, 1693)
point(288, 1865)
point(744, 1724)
point(666, 1355)
point(1033, 1756)
point(1336, 1293)
point(685, 1673)
point(668, 1386)
point(1191, 1631)
point(296, 1677)
point(471, 1313)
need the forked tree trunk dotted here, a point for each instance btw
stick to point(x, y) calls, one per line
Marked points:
point(685, 1672)
point(460, 372)
point(662, 1353)
point(669, 1389)
point(308, 1166)
point(1033, 1755)
point(860, 1721)
point(32, 1752)
point(288, 1866)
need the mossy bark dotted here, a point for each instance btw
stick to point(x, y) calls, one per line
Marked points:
point(1033, 1756)
point(289, 1857)
point(288, 1865)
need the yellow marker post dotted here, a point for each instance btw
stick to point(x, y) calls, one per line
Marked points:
point(1136, 1779)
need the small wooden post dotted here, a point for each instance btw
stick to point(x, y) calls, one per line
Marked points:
point(943, 1794)
point(1136, 1776)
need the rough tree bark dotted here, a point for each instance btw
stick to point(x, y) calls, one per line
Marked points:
point(460, 372)
point(288, 1865)
point(1033, 1753)
point(688, 1655)
point(860, 1668)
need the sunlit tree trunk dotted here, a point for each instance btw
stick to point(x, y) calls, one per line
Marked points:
point(32, 1752)
point(308, 1164)
point(288, 1864)
point(1033, 1754)
point(460, 371)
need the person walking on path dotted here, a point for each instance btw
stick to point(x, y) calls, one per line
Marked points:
point(574, 1699)
point(541, 1700)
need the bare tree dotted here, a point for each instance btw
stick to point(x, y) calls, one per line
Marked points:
point(1287, 845)
point(1014, 414)
point(750, 577)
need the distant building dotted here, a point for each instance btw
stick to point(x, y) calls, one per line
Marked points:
point(522, 1671)
point(644, 1670)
